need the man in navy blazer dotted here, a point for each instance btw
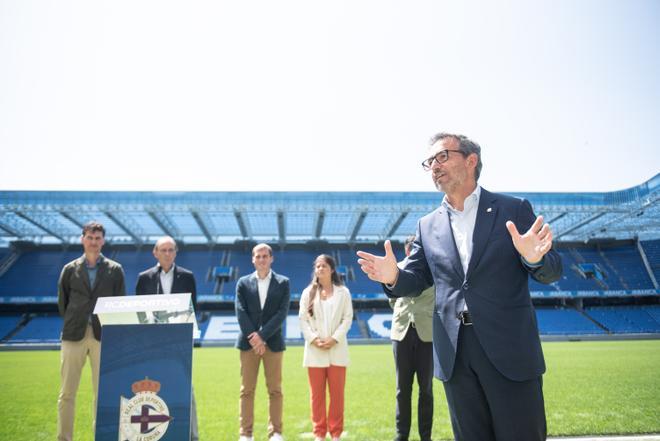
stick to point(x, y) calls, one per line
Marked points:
point(487, 347)
point(168, 278)
point(262, 304)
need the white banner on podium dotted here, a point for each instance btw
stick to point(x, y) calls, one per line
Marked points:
point(149, 309)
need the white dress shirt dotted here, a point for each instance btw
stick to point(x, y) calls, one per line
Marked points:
point(262, 285)
point(462, 225)
point(328, 305)
point(166, 280)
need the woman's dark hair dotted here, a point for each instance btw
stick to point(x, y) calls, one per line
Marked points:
point(315, 286)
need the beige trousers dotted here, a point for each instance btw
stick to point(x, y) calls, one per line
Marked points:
point(249, 373)
point(72, 361)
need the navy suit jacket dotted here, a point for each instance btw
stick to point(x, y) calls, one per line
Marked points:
point(184, 282)
point(495, 287)
point(268, 323)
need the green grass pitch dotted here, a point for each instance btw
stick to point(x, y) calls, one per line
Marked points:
point(590, 388)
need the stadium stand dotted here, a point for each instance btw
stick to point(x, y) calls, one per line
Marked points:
point(564, 321)
point(621, 266)
point(241, 264)
point(355, 331)
point(609, 243)
point(8, 324)
point(654, 312)
point(652, 250)
point(39, 330)
point(624, 320)
point(35, 273)
point(296, 265)
point(133, 262)
point(200, 262)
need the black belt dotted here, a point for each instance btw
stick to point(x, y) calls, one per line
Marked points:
point(465, 318)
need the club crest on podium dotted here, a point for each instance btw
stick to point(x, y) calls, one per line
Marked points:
point(145, 417)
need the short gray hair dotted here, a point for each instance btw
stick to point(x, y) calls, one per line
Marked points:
point(163, 239)
point(466, 145)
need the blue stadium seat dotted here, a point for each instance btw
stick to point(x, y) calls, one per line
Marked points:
point(35, 273)
point(39, 330)
point(652, 250)
point(355, 331)
point(8, 324)
point(654, 312)
point(560, 321)
point(625, 319)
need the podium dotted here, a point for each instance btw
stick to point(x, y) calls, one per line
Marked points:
point(146, 367)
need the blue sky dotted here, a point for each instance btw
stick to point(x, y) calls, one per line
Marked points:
point(326, 96)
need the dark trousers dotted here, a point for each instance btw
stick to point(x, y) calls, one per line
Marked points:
point(484, 405)
point(413, 356)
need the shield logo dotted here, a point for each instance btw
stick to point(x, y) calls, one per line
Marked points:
point(145, 417)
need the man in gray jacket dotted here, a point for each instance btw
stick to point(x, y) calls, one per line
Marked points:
point(412, 343)
point(83, 281)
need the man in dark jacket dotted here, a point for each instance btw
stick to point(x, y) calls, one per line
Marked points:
point(485, 335)
point(168, 278)
point(262, 303)
point(81, 282)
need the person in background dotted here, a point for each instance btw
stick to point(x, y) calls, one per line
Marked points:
point(412, 336)
point(81, 282)
point(326, 315)
point(262, 303)
point(166, 277)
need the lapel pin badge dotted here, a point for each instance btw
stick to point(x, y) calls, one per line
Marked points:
point(488, 210)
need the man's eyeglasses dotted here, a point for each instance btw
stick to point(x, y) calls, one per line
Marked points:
point(440, 157)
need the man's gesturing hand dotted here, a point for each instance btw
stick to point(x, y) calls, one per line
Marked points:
point(535, 243)
point(381, 269)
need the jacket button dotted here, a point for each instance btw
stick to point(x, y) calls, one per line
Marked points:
point(465, 286)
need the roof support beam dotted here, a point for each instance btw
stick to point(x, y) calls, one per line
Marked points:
point(556, 218)
point(203, 227)
point(281, 227)
point(161, 224)
point(123, 226)
point(72, 219)
point(580, 224)
point(241, 224)
point(318, 229)
point(628, 214)
point(396, 225)
point(40, 226)
point(358, 225)
point(10, 230)
point(647, 265)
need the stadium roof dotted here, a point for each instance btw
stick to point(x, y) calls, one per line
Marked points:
point(212, 218)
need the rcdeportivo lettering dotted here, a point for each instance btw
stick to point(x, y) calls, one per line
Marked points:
point(142, 303)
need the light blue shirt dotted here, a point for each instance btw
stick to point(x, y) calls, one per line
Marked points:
point(93, 270)
point(91, 273)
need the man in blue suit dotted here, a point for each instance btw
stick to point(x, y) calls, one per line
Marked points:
point(262, 303)
point(487, 347)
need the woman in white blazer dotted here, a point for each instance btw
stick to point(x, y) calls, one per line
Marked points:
point(326, 315)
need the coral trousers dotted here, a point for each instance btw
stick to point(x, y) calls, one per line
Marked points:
point(334, 377)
